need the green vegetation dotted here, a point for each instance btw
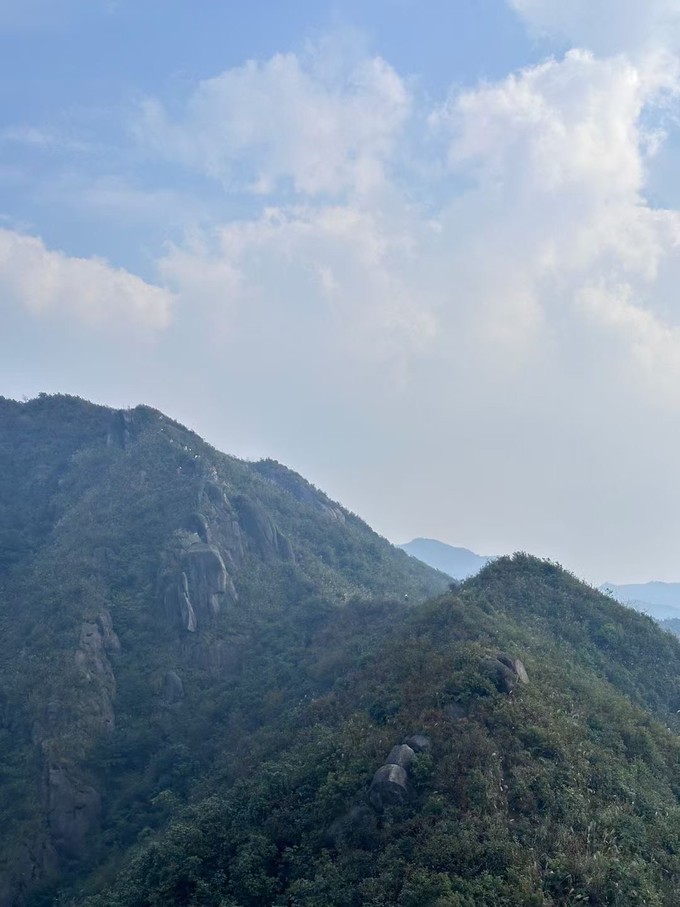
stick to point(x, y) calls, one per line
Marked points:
point(145, 760)
point(92, 501)
point(564, 792)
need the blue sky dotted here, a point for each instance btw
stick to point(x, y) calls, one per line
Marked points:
point(72, 73)
point(425, 253)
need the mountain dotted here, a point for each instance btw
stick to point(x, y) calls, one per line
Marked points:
point(458, 563)
point(661, 600)
point(218, 687)
point(515, 742)
point(158, 601)
point(671, 624)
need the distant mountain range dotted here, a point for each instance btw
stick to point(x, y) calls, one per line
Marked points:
point(660, 600)
point(458, 563)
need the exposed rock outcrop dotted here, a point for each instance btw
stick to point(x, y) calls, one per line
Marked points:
point(401, 755)
point(418, 743)
point(521, 671)
point(73, 807)
point(390, 786)
point(198, 524)
point(195, 582)
point(31, 864)
point(97, 641)
point(173, 689)
point(504, 672)
point(207, 579)
point(178, 607)
point(263, 535)
point(300, 489)
point(224, 528)
point(121, 429)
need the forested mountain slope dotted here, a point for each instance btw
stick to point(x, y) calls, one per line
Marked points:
point(158, 603)
point(529, 726)
point(220, 688)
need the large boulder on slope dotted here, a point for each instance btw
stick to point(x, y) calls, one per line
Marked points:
point(389, 787)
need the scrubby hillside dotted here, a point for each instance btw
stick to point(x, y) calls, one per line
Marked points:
point(220, 688)
point(529, 726)
point(158, 601)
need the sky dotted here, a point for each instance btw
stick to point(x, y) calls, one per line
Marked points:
point(425, 253)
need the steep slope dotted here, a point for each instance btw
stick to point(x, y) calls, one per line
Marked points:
point(550, 781)
point(458, 563)
point(156, 602)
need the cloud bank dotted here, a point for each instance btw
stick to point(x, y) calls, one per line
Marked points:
point(49, 283)
point(460, 315)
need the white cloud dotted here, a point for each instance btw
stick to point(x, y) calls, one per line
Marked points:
point(331, 277)
point(488, 332)
point(558, 155)
point(287, 120)
point(481, 346)
point(561, 159)
point(606, 26)
point(90, 290)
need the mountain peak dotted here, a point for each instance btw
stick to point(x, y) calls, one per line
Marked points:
point(458, 563)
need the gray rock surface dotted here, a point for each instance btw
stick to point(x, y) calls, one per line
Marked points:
point(120, 429)
point(173, 689)
point(389, 787)
point(31, 864)
point(198, 524)
point(419, 743)
point(521, 671)
point(402, 755)
point(73, 807)
point(263, 534)
point(504, 672)
point(194, 582)
point(500, 675)
point(178, 608)
point(207, 579)
point(97, 641)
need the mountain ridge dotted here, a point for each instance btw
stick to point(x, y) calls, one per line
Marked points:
point(660, 599)
point(520, 797)
point(138, 552)
point(208, 669)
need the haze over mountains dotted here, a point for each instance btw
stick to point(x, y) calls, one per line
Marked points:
point(458, 563)
point(661, 600)
point(219, 687)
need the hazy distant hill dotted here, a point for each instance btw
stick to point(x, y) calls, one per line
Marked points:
point(660, 600)
point(672, 624)
point(459, 563)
